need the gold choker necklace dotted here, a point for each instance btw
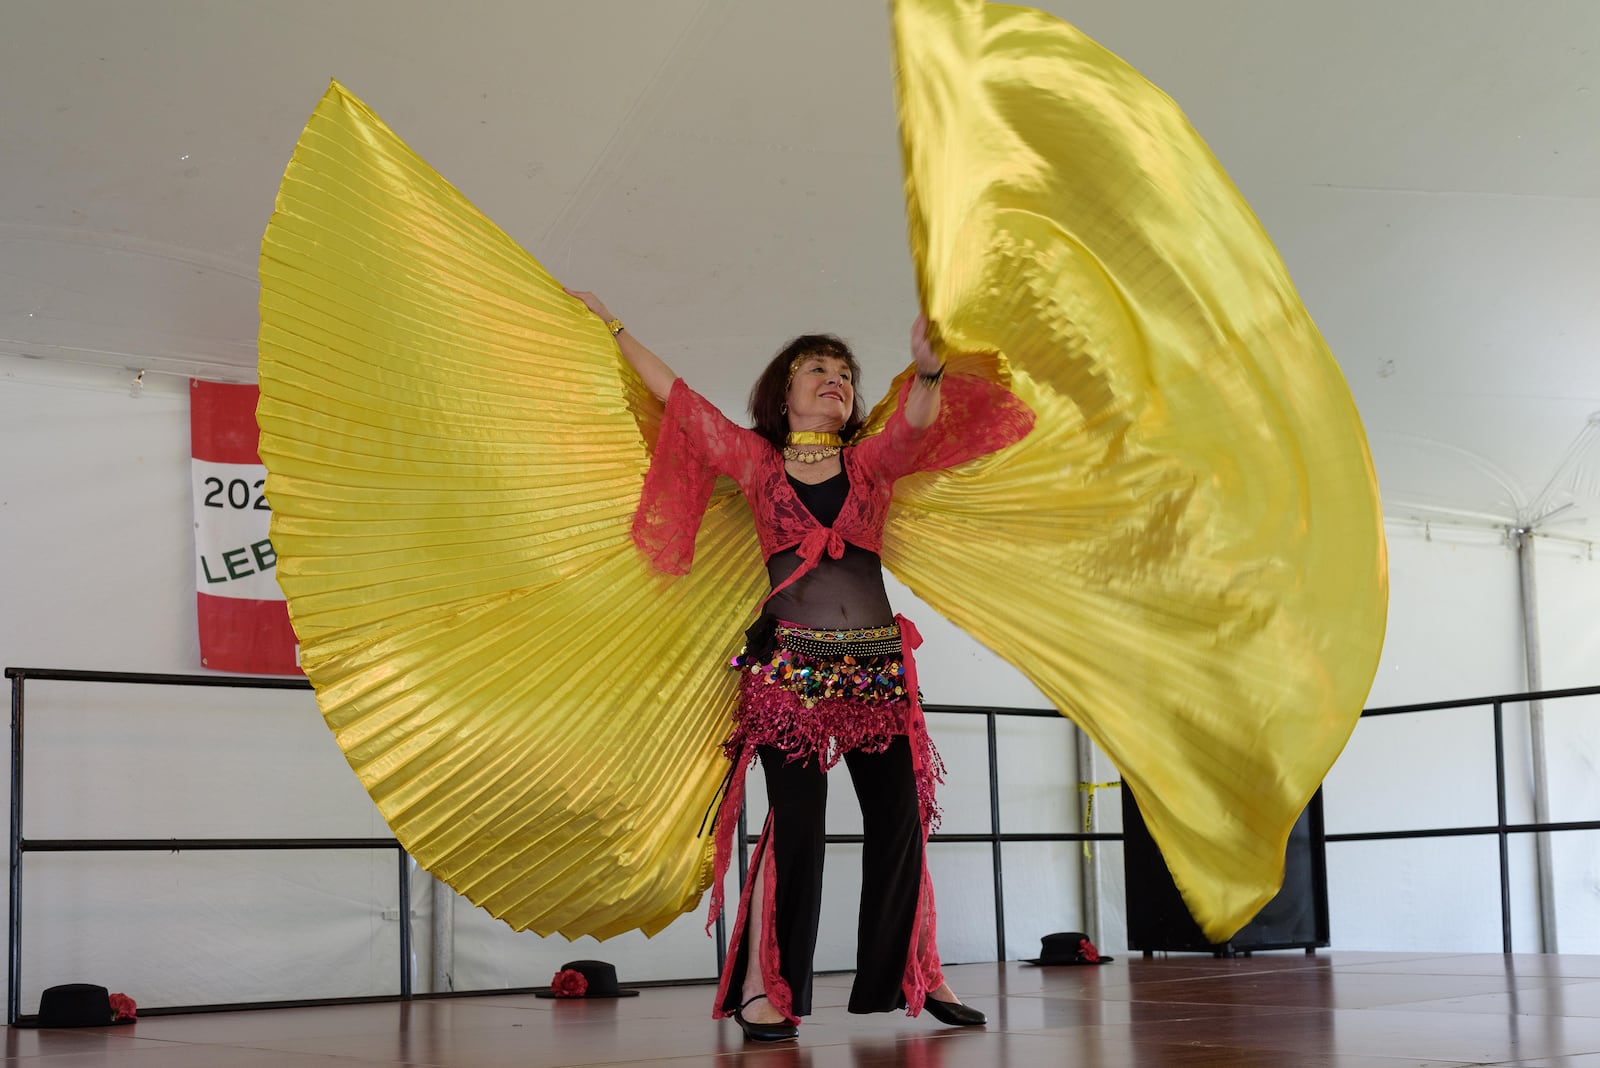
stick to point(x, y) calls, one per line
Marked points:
point(812, 446)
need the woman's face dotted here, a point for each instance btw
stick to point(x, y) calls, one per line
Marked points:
point(822, 394)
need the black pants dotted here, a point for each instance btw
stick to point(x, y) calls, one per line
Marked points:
point(891, 874)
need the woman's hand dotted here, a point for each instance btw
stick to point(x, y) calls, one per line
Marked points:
point(657, 376)
point(591, 302)
point(922, 353)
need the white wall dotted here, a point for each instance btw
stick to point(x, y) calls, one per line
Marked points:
point(96, 550)
point(1455, 631)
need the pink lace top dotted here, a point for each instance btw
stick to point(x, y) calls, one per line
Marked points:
point(698, 443)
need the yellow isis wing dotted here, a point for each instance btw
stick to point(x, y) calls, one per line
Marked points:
point(1186, 555)
point(454, 452)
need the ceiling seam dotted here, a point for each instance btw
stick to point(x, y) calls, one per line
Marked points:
point(557, 237)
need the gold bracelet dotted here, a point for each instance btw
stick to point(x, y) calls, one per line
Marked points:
point(615, 326)
point(931, 381)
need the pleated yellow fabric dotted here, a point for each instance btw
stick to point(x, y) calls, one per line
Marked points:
point(454, 452)
point(1187, 554)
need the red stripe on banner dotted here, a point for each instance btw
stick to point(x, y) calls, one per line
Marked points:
point(222, 422)
point(250, 637)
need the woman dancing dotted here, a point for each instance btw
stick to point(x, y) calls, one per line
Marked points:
point(827, 672)
point(1198, 475)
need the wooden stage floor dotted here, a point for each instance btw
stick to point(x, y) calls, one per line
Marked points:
point(1339, 1010)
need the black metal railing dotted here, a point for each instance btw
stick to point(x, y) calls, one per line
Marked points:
point(21, 845)
point(1500, 828)
point(995, 837)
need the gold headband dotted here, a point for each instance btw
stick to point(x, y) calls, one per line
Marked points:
point(794, 364)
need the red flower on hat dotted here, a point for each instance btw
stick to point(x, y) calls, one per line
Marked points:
point(569, 983)
point(123, 1008)
point(1086, 951)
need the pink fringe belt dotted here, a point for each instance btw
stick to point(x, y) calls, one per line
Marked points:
point(821, 693)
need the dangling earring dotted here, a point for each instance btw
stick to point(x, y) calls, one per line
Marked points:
point(783, 409)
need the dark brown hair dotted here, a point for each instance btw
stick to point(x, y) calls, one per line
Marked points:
point(772, 388)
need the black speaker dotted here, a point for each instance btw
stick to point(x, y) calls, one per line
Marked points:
point(1158, 920)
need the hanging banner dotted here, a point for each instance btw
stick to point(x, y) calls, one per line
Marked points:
point(244, 622)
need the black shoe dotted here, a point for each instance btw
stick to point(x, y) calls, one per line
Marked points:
point(767, 1032)
point(954, 1013)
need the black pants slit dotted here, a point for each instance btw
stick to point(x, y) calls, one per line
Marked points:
point(891, 874)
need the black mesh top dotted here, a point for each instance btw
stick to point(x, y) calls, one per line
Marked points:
point(847, 592)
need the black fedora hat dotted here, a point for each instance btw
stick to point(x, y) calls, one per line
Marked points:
point(599, 981)
point(79, 1005)
point(1068, 947)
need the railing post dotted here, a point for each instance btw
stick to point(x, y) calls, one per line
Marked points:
point(994, 831)
point(1500, 824)
point(405, 922)
point(14, 927)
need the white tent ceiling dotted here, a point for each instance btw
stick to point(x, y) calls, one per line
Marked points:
point(726, 174)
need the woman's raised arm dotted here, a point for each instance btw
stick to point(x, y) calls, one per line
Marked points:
point(657, 376)
point(922, 403)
